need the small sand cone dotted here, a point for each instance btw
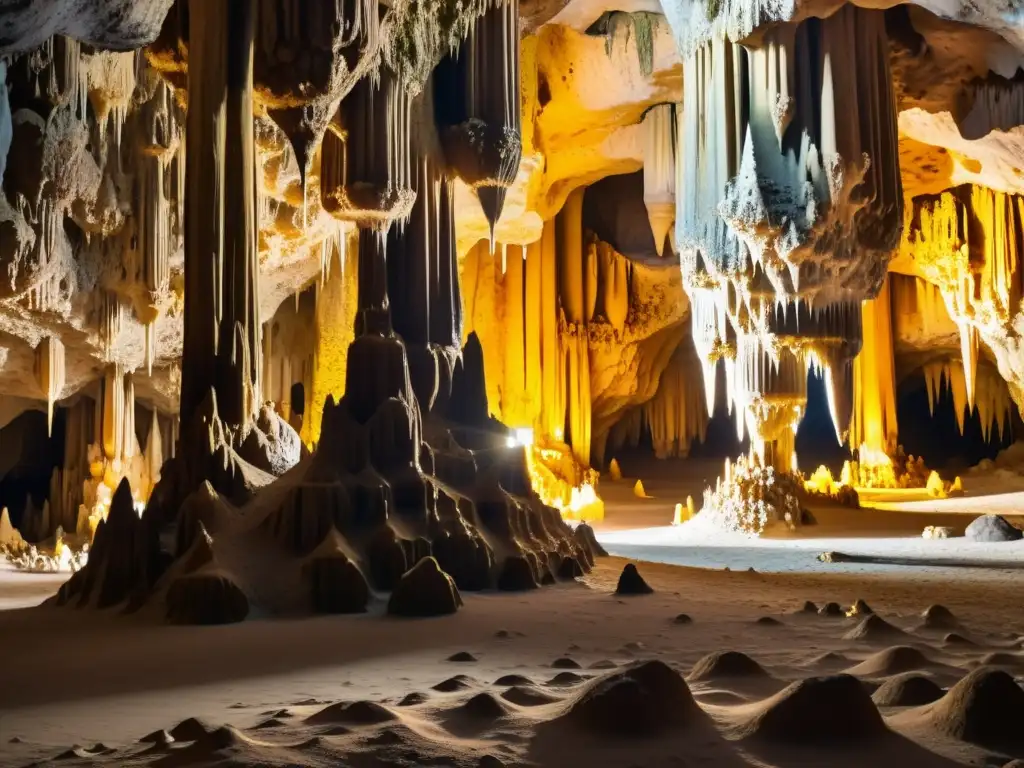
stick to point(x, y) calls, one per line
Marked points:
point(934, 487)
point(677, 517)
point(614, 470)
point(691, 510)
point(638, 490)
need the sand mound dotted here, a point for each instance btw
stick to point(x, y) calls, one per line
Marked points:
point(1000, 659)
point(457, 683)
point(646, 698)
point(954, 639)
point(157, 737)
point(207, 596)
point(564, 679)
point(425, 590)
point(938, 617)
point(518, 575)
point(907, 690)
point(830, 609)
point(271, 722)
point(490, 761)
point(817, 710)
point(507, 680)
point(603, 664)
point(566, 663)
point(682, 618)
point(587, 539)
point(809, 607)
point(992, 528)
point(827, 659)
point(352, 713)
point(768, 621)
point(874, 627)
point(986, 707)
point(891, 661)
point(525, 696)
point(631, 582)
point(191, 729)
point(413, 699)
point(462, 657)
point(726, 664)
point(483, 706)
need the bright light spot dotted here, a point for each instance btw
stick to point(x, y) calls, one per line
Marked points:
point(524, 436)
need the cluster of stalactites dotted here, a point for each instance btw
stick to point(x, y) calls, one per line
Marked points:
point(767, 349)
point(534, 309)
point(788, 153)
point(675, 417)
point(366, 161)
point(992, 400)
point(970, 243)
point(660, 171)
point(998, 105)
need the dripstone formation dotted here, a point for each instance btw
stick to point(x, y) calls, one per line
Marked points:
point(412, 487)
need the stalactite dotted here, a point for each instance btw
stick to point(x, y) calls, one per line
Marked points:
point(613, 279)
point(992, 399)
point(113, 409)
point(222, 340)
point(998, 105)
point(571, 276)
point(577, 389)
point(780, 144)
point(874, 379)
point(478, 106)
point(50, 373)
point(660, 171)
point(552, 387)
point(367, 178)
point(969, 243)
point(676, 415)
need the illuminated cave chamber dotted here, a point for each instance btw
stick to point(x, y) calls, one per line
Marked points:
point(578, 330)
point(406, 461)
point(788, 155)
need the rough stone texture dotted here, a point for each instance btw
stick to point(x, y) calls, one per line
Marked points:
point(993, 528)
point(425, 590)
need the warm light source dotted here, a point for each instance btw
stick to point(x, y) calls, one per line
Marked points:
point(521, 436)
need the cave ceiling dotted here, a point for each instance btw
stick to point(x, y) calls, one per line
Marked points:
point(590, 70)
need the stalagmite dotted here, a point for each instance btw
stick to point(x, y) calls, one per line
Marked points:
point(660, 171)
point(50, 373)
point(874, 379)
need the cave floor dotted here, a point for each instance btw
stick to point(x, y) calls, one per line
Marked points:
point(77, 677)
point(884, 535)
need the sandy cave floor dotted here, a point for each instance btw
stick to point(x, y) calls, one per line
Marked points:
point(75, 679)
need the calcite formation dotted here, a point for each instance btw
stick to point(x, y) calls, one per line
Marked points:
point(235, 235)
